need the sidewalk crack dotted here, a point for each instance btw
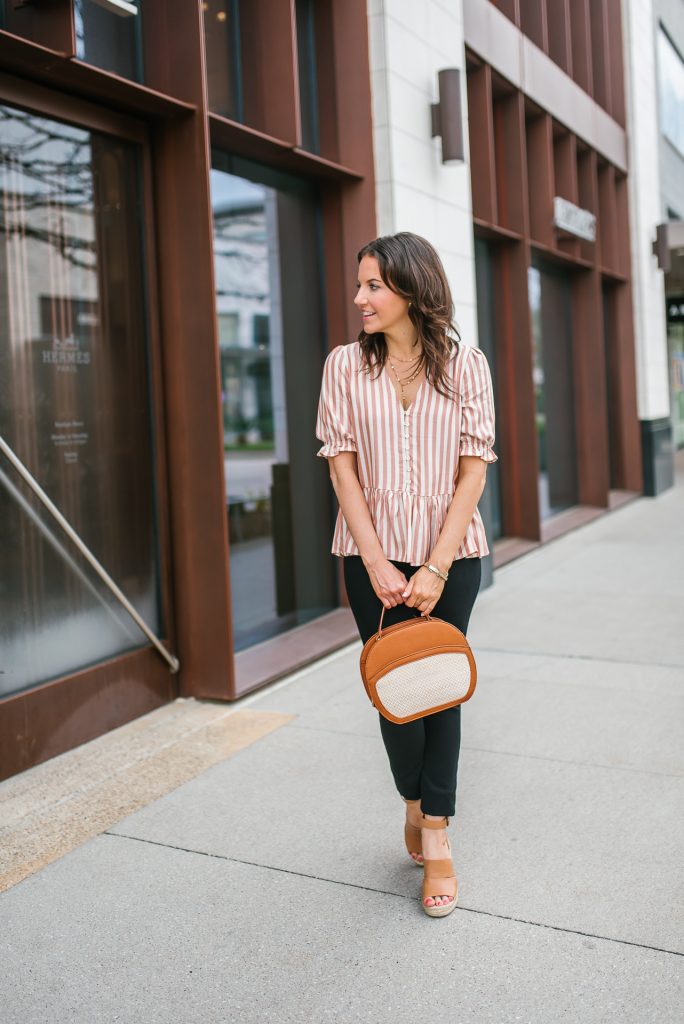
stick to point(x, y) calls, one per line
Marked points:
point(386, 892)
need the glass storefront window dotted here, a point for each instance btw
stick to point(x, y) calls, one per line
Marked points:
point(74, 398)
point(222, 43)
point(108, 36)
point(272, 346)
point(550, 307)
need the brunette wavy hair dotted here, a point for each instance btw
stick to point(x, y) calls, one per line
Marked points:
point(411, 267)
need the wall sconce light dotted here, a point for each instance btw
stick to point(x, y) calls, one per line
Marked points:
point(669, 241)
point(446, 115)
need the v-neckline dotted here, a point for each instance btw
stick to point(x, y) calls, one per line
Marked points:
point(394, 390)
point(453, 352)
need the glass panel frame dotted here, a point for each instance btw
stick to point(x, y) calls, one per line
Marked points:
point(81, 116)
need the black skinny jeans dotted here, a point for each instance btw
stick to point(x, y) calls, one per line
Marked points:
point(423, 754)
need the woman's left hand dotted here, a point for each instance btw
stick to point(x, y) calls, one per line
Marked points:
point(423, 591)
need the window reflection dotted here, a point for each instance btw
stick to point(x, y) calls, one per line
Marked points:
point(243, 304)
point(271, 342)
point(251, 370)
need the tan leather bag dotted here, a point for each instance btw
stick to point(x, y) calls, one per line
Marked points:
point(416, 668)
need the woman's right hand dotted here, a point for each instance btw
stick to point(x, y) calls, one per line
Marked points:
point(387, 582)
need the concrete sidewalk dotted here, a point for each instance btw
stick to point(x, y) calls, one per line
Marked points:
point(275, 885)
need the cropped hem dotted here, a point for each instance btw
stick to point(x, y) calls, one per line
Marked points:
point(480, 450)
point(329, 451)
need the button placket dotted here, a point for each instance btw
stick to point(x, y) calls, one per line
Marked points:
point(406, 441)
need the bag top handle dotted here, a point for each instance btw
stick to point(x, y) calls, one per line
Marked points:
point(382, 614)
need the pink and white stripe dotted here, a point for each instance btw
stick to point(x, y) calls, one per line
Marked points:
point(407, 461)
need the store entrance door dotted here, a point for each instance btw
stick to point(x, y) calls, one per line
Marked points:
point(85, 592)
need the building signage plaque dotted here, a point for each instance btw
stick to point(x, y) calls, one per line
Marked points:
point(573, 219)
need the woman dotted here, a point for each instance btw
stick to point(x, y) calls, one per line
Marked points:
point(407, 420)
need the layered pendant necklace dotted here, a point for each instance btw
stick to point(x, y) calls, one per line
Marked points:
point(405, 381)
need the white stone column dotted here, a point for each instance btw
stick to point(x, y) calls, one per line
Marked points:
point(650, 334)
point(409, 43)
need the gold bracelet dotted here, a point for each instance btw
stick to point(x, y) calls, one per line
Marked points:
point(433, 568)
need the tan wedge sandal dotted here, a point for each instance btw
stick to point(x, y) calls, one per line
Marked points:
point(439, 879)
point(413, 837)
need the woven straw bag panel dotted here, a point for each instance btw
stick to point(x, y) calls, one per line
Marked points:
point(431, 681)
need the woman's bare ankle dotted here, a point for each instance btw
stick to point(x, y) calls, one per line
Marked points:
point(413, 813)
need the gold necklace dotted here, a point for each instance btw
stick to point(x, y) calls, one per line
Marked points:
point(400, 360)
point(407, 380)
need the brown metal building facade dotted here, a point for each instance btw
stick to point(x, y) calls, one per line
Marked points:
point(184, 191)
point(148, 114)
point(554, 309)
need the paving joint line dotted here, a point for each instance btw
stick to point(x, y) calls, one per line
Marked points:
point(398, 895)
point(577, 764)
point(504, 753)
point(578, 657)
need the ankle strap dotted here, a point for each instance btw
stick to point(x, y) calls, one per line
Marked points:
point(439, 823)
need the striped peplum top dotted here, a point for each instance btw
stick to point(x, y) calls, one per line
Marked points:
point(407, 460)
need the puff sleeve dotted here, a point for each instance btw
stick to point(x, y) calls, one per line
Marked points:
point(477, 408)
point(334, 420)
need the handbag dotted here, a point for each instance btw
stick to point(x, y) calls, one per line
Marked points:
point(416, 668)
